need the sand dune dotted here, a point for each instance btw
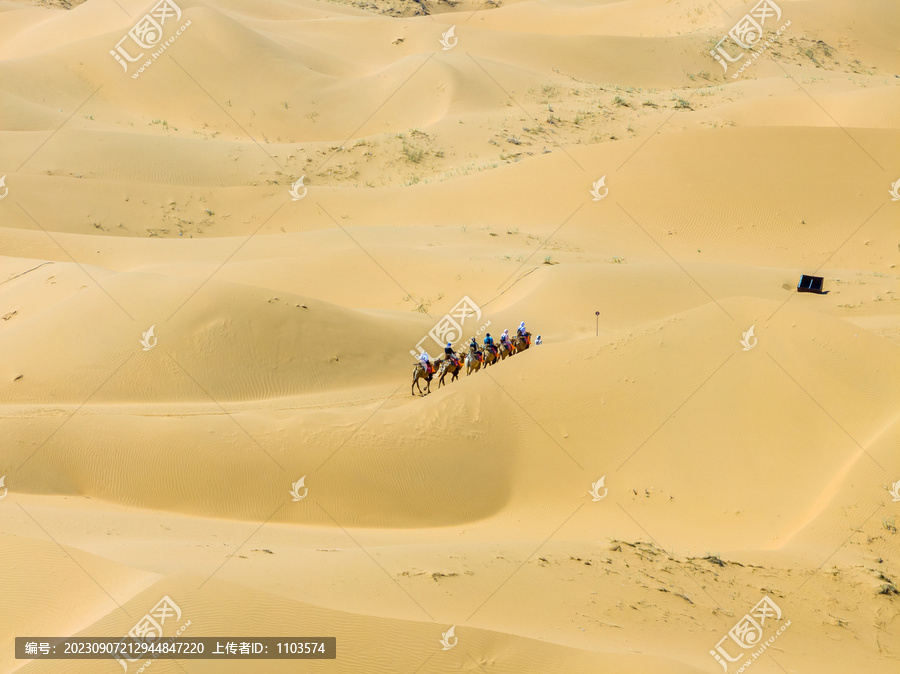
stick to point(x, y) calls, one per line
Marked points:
point(615, 500)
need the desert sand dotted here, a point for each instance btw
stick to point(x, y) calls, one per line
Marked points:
point(215, 271)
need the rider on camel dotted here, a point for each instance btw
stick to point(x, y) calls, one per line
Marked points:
point(489, 343)
point(425, 359)
point(521, 332)
point(449, 355)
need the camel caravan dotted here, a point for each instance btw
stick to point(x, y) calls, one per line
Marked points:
point(473, 358)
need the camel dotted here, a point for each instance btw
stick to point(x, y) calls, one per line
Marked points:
point(491, 357)
point(522, 343)
point(506, 349)
point(473, 361)
point(447, 367)
point(420, 373)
